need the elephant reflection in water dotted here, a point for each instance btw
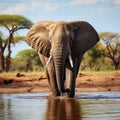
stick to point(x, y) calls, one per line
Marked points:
point(63, 109)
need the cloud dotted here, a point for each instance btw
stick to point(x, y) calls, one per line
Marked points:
point(48, 7)
point(20, 8)
point(117, 2)
point(34, 4)
point(89, 2)
point(14, 9)
point(24, 6)
point(81, 2)
point(45, 6)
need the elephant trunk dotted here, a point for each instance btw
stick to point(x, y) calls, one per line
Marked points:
point(59, 62)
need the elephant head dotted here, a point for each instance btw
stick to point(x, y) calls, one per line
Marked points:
point(62, 42)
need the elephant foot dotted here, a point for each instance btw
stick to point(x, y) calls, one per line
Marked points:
point(66, 92)
point(55, 93)
point(69, 93)
point(58, 94)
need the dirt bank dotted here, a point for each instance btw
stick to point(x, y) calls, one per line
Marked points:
point(22, 83)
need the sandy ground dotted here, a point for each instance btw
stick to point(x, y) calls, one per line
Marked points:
point(84, 82)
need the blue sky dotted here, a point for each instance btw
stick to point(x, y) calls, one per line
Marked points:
point(104, 15)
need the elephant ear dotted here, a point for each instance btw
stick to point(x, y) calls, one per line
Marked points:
point(85, 37)
point(37, 38)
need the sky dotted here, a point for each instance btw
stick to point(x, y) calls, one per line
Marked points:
point(103, 15)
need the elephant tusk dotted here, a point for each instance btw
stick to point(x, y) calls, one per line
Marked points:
point(50, 58)
point(71, 61)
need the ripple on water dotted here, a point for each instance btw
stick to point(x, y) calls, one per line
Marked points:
point(43, 95)
point(98, 95)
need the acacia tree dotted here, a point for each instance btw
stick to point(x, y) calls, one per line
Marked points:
point(12, 23)
point(111, 41)
point(16, 39)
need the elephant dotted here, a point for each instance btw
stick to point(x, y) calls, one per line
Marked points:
point(60, 46)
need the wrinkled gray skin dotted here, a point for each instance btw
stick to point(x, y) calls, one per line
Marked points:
point(60, 46)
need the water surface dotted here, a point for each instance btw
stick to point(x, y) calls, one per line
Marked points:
point(85, 106)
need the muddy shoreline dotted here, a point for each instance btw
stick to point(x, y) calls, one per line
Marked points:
point(36, 83)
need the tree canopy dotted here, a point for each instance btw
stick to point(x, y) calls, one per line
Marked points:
point(12, 23)
point(16, 39)
point(15, 22)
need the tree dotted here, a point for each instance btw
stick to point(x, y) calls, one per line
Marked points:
point(1, 53)
point(111, 41)
point(95, 60)
point(12, 23)
point(91, 59)
point(2, 49)
point(30, 59)
point(94, 54)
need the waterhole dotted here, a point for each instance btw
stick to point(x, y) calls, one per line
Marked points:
point(85, 106)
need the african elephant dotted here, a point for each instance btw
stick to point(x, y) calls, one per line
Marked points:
point(60, 46)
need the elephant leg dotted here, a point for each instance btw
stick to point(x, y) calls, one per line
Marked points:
point(50, 73)
point(70, 81)
point(52, 80)
point(43, 61)
point(71, 74)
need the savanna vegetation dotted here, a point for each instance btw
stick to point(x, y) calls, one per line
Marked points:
point(104, 56)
